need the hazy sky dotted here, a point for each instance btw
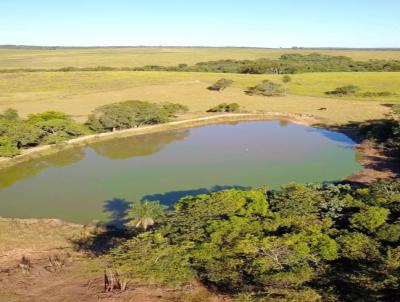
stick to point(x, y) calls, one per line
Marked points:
point(262, 23)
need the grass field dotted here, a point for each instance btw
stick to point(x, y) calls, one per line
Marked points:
point(78, 93)
point(133, 57)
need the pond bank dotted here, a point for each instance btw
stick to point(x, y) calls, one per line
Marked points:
point(37, 152)
point(377, 164)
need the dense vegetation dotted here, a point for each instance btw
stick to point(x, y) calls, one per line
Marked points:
point(286, 64)
point(298, 243)
point(49, 127)
point(52, 127)
point(131, 114)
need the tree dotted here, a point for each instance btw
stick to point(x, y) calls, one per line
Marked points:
point(128, 114)
point(24, 134)
point(220, 85)
point(56, 126)
point(266, 88)
point(7, 147)
point(370, 219)
point(145, 213)
point(358, 246)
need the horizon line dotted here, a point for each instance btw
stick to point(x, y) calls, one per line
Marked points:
point(197, 46)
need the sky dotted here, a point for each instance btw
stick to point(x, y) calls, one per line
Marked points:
point(251, 23)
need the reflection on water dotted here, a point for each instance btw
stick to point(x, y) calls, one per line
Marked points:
point(98, 182)
point(30, 168)
point(141, 145)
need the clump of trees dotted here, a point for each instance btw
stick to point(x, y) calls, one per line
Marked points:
point(344, 90)
point(225, 107)
point(220, 85)
point(49, 127)
point(53, 127)
point(297, 243)
point(131, 114)
point(266, 88)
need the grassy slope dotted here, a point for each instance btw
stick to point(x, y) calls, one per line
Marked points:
point(122, 57)
point(78, 93)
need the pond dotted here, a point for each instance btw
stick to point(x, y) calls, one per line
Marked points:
point(98, 182)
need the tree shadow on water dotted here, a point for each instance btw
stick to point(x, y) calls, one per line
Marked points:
point(172, 197)
point(117, 208)
point(100, 238)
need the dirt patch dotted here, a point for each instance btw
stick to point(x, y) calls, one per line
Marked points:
point(378, 164)
point(39, 263)
point(75, 282)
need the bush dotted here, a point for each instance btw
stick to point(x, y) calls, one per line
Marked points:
point(344, 90)
point(220, 85)
point(266, 88)
point(286, 79)
point(375, 94)
point(224, 107)
point(174, 108)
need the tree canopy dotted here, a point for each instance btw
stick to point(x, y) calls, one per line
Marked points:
point(298, 243)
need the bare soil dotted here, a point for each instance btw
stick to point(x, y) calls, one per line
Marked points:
point(378, 164)
point(38, 263)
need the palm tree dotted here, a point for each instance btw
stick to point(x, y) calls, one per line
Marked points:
point(144, 213)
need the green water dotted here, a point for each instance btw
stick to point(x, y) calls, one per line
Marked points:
point(97, 183)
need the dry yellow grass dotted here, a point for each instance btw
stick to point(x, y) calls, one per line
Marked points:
point(122, 57)
point(78, 93)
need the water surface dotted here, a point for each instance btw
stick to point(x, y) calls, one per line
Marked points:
point(97, 182)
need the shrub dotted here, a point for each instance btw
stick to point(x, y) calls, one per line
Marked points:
point(344, 90)
point(266, 88)
point(174, 108)
point(286, 79)
point(224, 107)
point(220, 85)
point(375, 94)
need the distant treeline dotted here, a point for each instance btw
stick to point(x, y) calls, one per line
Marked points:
point(285, 64)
